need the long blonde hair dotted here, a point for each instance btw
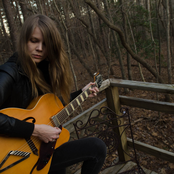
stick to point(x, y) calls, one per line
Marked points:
point(59, 69)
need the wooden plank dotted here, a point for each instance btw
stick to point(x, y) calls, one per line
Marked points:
point(148, 86)
point(147, 171)
point(113, 103)
point(129, 165)
point(157, 152)
point(83, 116)
point(78, 172)
point(123, 168)
point(113, 169)
point(105, 84)
point(153, 172)
point(147, 104)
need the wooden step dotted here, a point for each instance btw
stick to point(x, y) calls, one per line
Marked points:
point(121, 168)
point(124, 167)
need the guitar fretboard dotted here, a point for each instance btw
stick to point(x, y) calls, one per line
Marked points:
point(59, 118)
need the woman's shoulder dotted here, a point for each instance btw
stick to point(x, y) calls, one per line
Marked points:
point(10, 66)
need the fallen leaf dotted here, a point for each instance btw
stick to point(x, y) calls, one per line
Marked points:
point(154, 134)
point(171, 118)
point(171, 165)
point(163, 171)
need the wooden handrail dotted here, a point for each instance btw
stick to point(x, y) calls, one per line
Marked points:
point(147, 86)
point(110, 84)
point(153, 105)
point(152, 150)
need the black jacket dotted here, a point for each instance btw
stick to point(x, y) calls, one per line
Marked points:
point(15, 91)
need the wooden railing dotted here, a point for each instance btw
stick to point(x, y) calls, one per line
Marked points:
point(114, 101)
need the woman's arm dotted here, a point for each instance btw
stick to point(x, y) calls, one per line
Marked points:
point(9, 125)
point(14, 127)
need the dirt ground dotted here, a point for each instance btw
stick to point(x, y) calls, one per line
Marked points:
point(150, 127)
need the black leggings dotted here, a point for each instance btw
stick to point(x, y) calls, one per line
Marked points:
point(92, 151)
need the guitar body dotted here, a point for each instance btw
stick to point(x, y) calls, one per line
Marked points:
point(42, 110)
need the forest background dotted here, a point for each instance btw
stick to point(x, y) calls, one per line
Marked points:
point(123, 39)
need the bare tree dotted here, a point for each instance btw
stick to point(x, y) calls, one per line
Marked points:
point(124, 43)
point(158, 31)
point(151, 34)
point(115, 41)
point(168, 43)
point(11, 22)
point(87, 27)
point(4, 33)
point(68, 44)
point(126, 36)
point(23, 6)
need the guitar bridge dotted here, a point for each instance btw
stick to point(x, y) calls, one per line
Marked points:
point(25, 155)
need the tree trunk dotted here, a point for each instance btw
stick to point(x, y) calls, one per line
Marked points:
point(159, 36)
point(168, 44)
point(151, 33)
point(135, 47)
point(2, 26)
point(102, 31)
point(171, 28)
point(11, 23)
point(23, 6)
point(85, 24)
point(94, 33)
point(68, 44)
point(116, 42)
point(18, 13)
point(39, 6)
point(126, 36)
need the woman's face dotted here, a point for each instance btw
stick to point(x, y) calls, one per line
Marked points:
point(36, 46)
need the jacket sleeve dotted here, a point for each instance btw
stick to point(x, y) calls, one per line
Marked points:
point(8, 125)
point(14, 127)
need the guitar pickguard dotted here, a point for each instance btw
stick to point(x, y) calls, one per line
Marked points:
point(46, 151)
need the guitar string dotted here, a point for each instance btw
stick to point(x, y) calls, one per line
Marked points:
point(61, 115)
point(35, 140)
point(30, 144)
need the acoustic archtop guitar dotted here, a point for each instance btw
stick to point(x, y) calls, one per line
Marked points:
point(32, 156)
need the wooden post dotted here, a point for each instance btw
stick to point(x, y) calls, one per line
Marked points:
point(113, 102)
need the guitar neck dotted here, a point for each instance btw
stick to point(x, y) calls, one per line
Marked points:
point(59, 118)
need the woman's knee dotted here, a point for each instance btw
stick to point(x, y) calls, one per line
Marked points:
point(99, 146)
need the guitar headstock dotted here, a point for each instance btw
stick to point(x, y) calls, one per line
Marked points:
point(98, 79)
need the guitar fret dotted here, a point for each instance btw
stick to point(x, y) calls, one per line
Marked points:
point(66, 109)
point(81, 97)
point(77, 101)
point(69, 109)
point(55, 121)
point(63, 115)
point(72, 107)
point(86, 94)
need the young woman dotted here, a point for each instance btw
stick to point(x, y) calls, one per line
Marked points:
point(41, 66)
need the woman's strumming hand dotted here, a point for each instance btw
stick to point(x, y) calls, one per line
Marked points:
point(46, 133)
